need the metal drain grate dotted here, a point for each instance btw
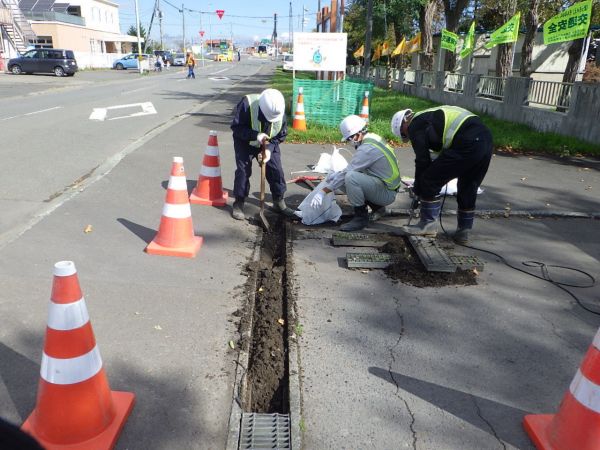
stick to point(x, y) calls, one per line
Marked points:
point(431, 255)
point(467, 262)
point(341, 239)
point(264, 431)
point(370, 260)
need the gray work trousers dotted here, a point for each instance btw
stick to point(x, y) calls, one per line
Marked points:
point(360, 187)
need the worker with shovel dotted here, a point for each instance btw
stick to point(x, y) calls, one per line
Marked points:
point(463, 145)
point(371, 178)
point(259, 120)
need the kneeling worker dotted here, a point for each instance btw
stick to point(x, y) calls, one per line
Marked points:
point(371, 178)
point(259, 119)
point(464, 147)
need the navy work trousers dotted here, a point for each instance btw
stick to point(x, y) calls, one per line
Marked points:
point(244, 154)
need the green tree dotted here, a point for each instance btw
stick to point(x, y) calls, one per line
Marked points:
point(133, 32)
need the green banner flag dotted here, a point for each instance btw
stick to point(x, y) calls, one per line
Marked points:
point(571, 24)
point(449, 40)
point(469, 42)
point(509, 32)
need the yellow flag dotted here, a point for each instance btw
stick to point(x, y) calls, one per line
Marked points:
point(377, 53)
point(385, 49)
point(360, 52)
point(414, 45)
point(401, 48)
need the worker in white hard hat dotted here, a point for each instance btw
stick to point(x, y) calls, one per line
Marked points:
point(372, 177)
point(463, 146)
point(259, 119)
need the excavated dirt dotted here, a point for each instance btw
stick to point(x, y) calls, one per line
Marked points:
point(410, 270)
point(267, 365)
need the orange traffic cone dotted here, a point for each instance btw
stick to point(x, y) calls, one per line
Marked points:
point(299, 122)
point(577, 423)
point(175, 235)
point(364, 112)
point(209, 188)
point(75, 407)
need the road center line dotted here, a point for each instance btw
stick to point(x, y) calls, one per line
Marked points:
point(219, 71)
point(30, 113)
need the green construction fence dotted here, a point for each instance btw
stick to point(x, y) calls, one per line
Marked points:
point(327, 102)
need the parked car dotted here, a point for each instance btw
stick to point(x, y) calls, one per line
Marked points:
point(45, 60)
point(165, 55)
point(179, 59)
point(128, 61)
point(288, 62)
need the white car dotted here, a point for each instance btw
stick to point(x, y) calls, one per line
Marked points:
point(179, 59)
point(288, 62)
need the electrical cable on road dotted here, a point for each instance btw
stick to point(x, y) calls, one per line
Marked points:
point(543, 267)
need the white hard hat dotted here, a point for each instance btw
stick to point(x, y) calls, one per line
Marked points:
point(272, 104)
point(352, 125)
point(397, 123)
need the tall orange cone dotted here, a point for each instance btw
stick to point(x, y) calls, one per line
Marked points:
point(175, 235)
point(299, 122)
point(576, 426)
point(75, 407)
point(364, 112)
point(209, 188)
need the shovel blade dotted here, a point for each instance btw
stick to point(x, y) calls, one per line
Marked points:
point(264, 221)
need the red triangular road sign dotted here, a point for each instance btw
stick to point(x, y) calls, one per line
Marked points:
point(220, 13)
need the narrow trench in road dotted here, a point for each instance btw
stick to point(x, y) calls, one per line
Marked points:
point(267, 375)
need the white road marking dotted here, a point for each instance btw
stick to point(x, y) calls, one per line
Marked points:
point(136, 90)
point(219, 71)
point(31, 113)
point(100, 114)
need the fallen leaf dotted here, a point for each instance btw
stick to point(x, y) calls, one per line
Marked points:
point(137, 313)
point(231, 344)
point(364, 271)
point(260, 289)
point(547, 204)
point(588, 188)
point(523, 178)
point(157, 327)
point(88, 229)
point(281, 322)
point(476, 272)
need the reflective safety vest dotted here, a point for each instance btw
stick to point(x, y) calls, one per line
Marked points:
point(454, 117)
point(256, 124)
point(393, 181)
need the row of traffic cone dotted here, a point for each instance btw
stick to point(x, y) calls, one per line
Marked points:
point(299, 122)
point(175, 235)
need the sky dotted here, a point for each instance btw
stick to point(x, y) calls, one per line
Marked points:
point(246, 20)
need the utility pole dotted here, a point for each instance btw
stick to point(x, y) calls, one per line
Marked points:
point(318, 14)
point(275, 33)
point(183, 17)
point(160, 17)
point(367, 65)
point(201, 41)
point(291, 26)
point(139, 41)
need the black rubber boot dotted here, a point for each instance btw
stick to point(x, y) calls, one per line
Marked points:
point(360, 220)
point(464, 221)
point(238, 209)
point(427, 226)
point(377, 211)
point(280, 206)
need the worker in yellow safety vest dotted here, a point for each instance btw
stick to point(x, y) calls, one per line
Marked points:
point(449, 142)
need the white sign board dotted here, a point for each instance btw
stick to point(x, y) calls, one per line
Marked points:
point(320, 51)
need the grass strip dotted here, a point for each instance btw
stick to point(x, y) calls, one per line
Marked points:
point(508, 136)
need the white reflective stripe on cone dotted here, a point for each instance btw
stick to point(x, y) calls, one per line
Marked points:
point(71, 370)
point(68, 316)
point(177, 183)
point(64, 268)
point(211, 172)
point(596, 342)
point(300, 107)
point(586, 392)
point(296, 117)
point(211, 151)
point(182, 211)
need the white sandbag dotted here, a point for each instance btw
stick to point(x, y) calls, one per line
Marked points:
point(328, 211)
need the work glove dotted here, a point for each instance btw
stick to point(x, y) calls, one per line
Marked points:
point(262, 138)
point(317, 200)
point(259, 157)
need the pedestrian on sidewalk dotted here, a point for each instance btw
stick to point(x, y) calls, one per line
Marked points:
point(259, 119)
point(190, 62)
point(372, 177)
point(462, 148)
point(166, 62)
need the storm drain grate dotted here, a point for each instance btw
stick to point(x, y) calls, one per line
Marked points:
point(342, 239)
point(370, 260)
point(431, 255)
point(263, 431)
point(467, 262)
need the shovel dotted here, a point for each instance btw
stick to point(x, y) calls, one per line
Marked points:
point(263, 174)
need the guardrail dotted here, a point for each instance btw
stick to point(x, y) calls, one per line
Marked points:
point(491, 87)
point(52, 16)
point(551, 94)
point(454, 82)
